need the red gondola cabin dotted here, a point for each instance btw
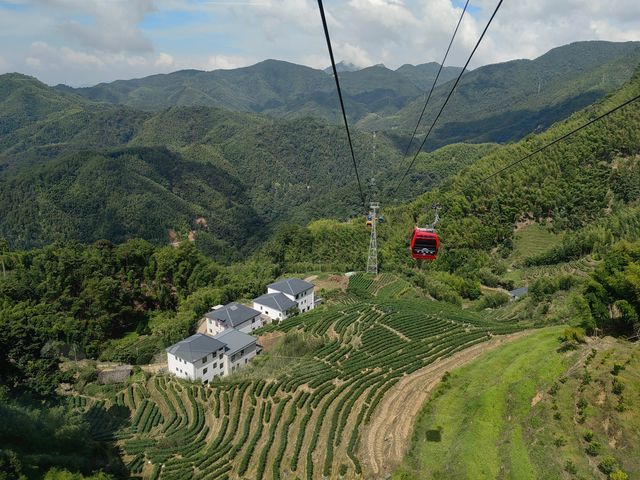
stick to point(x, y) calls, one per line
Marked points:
point(424, 244)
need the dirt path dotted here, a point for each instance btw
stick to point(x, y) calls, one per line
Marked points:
point(385, 441)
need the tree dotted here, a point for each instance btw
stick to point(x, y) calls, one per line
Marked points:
point(4, 248)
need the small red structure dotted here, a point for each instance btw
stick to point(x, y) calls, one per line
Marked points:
point(424, 244)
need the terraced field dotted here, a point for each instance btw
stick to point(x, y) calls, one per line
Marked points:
point(306, 422)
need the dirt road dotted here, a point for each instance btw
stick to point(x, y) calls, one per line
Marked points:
point(385, 440)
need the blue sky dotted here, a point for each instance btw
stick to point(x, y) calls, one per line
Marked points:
point(83, 42)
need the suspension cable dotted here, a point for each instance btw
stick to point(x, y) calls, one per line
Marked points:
point(433, 85)
point(464, 69)
point(344, 114)
point(553, 142)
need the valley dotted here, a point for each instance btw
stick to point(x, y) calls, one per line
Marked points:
point(131, 210)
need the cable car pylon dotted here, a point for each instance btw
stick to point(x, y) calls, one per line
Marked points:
point(372, 259)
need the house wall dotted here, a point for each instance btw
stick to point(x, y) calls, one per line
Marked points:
point(214, 326)
point(237, 360)
point(305, 300)
point(272, 313)
point(250, 325)
point(206, 370)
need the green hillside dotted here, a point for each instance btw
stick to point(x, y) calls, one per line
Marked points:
point(423, 75)
point(495, 103)
point(240, 172)
point(308, 406)
point(579, 185)
point(275, 87)
point(543, 414)
point(507, 101)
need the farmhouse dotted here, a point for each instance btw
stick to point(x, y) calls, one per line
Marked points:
point(239, 348)
point(296, 290)
point(233, 315)
point(276, 306)
point(198, 357)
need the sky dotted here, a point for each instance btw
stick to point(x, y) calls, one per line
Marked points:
point(84, 42)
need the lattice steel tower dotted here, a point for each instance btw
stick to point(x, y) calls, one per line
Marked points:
point(372, 260)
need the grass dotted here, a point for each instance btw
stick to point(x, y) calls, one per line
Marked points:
point(489, 425)
point(532, 240)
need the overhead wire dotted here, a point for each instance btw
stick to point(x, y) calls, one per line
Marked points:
point(553, 142)
point(344, 114)
point(435, 81)
point(448, 96)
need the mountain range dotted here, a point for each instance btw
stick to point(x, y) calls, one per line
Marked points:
point(493, 103)
point(74, 166)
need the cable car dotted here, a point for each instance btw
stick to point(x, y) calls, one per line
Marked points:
point(369, 221)
point(424, 243)
point(381, 219)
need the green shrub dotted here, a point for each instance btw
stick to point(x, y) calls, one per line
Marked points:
point(559, 441)
point(570, 467)
point(608, 465)
point(493, 300)
point(618, 475)
point(587, 435)
point(593, 448)
point(617, 368)
point(575, 334)
point(618, 386)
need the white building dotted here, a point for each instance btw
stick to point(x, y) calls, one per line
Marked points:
point(233, 315)
point(198, 357)
point(276, 306)
point(297, 290)
point(239, 349)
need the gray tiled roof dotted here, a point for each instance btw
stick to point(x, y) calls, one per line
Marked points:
point(233, 314)
point(292, 286)
point(277, 301)
point(519, 292)
point(235, 340)
point(195, 347)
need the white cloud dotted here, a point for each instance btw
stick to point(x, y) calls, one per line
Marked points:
point(109, 25)
point(355, 55)
point(225, 62)
point(164, 60)
point(100, 40)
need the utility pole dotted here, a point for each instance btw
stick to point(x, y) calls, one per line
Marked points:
point(372, 260)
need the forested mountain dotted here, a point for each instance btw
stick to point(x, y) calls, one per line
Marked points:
point(273, 87)
point(423, 75)
point(113, 172)
point(506, 101)
point(494, 103)
point(588, 185)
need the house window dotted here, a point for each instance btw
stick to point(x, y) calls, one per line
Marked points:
point(204, 360)
point(215, 365)
point(253, 320)
point(242, 353)
point(204, 371)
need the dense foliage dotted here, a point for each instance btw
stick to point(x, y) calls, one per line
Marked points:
point(47, 439)
point(74, 299)
point(613, 293)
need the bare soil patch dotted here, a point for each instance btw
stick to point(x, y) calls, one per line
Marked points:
point(388, 436)
point(535, 400)
point(269, 340)
point(332, 282)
